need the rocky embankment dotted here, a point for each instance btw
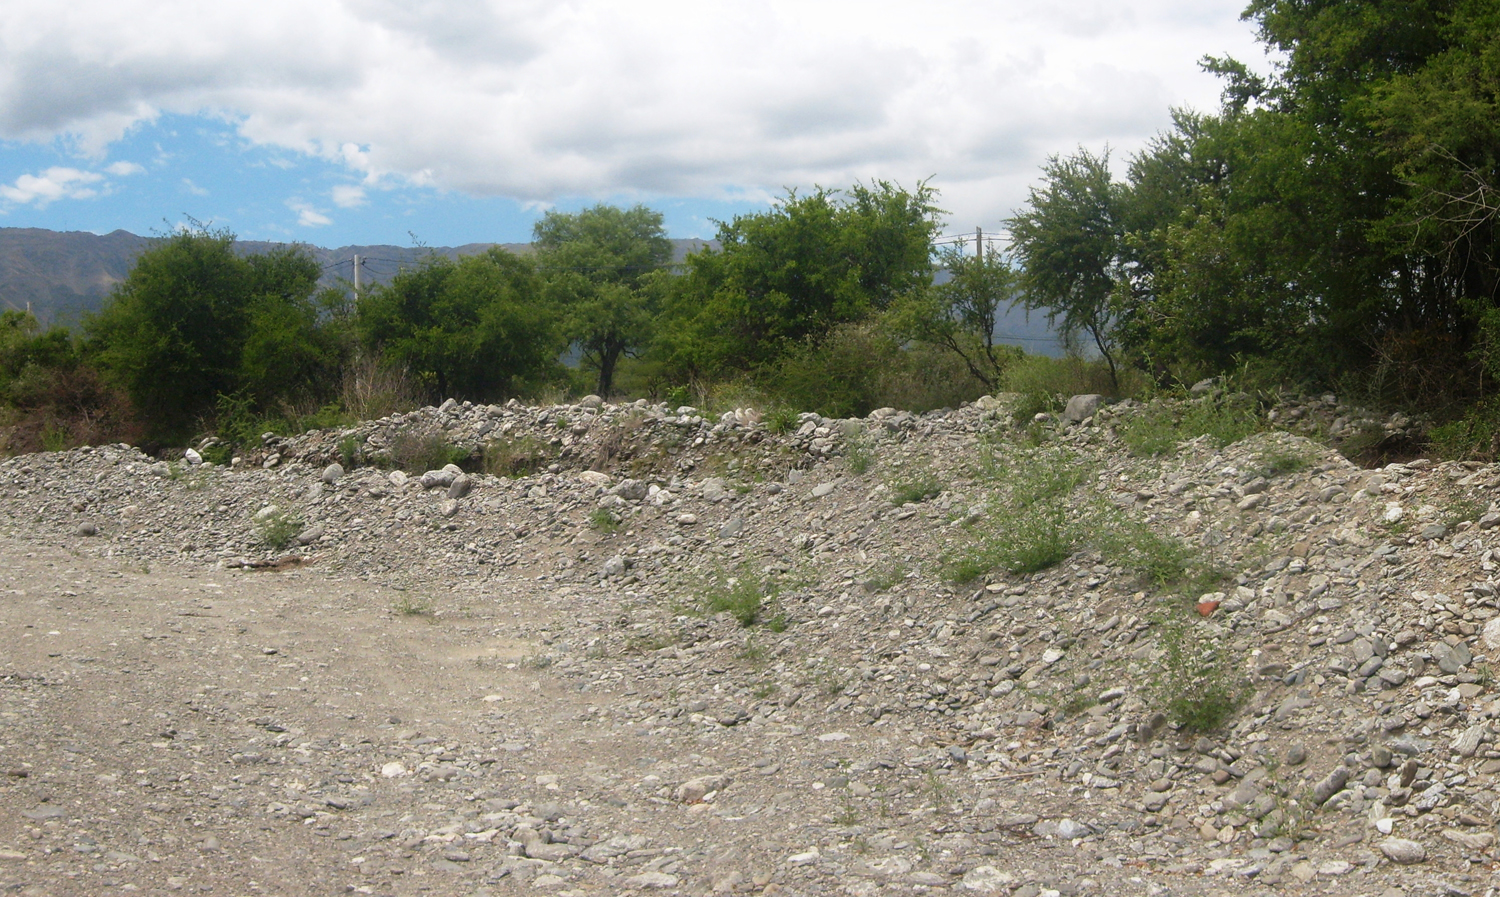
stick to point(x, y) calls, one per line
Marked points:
point(622, 649)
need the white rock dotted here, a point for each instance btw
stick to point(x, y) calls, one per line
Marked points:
point(1492, 634)
point(393, 770)
point(651, 880)
point(1403, 851)
point(987, 880)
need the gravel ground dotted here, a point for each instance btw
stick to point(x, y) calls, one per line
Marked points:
point(472, 684)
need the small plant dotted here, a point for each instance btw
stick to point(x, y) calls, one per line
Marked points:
point(220, 453)
point(765, 690)
point(54, 439)
point(276, 527)
point(517, 457)
point(1281, 462)
point(859, 453)
point(1158, 429)
point(1462, 510)
point(604, 521)
point(915, 487)
point(742, 595)
point(413, 606)
point(781, 419)
point(1160, 560)
point(753, 652)
point(885, 576)
point(1197, 686)
point(1076, 703)
point(349, 453)
point(419, 452)
point(1033, 527)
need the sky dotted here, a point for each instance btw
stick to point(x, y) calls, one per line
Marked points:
point(444, 122)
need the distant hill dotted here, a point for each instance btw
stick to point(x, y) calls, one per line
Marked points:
point(61, 276)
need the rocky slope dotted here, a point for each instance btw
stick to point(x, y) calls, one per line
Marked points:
point(673, 654)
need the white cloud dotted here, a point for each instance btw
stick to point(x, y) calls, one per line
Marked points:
point(307, 216)
point(51, 185)
point(348, 196)
point(189, 186)
point(124, 169)
point(537, 100)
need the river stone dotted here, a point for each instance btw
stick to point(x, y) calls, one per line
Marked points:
point(1403, 851)
point(1081, 408)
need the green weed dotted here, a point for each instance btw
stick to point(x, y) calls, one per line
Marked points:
point(277, 528)
point(743, 595)
point(349, 452)
point(780, 419)
point(1197, 685)
point(418, 452)
point(859, 453)
point(517, 457)
point(604, 521)
point(413, 606)
point(1281, 462)
point(885, 576)
point(1041, 519)
point(915, 486)
point(1161, 426)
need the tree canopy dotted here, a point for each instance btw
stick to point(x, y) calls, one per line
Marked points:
point(194, 320)
point(794, 273)
point(599, 265)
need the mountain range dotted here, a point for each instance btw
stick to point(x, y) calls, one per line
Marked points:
point(62, 276)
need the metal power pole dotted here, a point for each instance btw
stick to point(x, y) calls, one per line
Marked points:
point(979, 244)
point(356, 278)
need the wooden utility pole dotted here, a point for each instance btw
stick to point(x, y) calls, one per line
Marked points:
point(979, 244)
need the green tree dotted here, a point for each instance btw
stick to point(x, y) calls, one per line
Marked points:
point(784, 277)
point(959, 315)
point(472, 329)
point(598, 265)
point(1070, 243)
point(174, 333)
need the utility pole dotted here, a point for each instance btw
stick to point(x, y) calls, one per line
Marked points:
point(979, 244)
point(356, 278)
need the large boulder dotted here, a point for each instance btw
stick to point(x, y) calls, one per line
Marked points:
point(1081, 408)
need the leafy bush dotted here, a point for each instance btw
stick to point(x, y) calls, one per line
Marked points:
point(1475, 436)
